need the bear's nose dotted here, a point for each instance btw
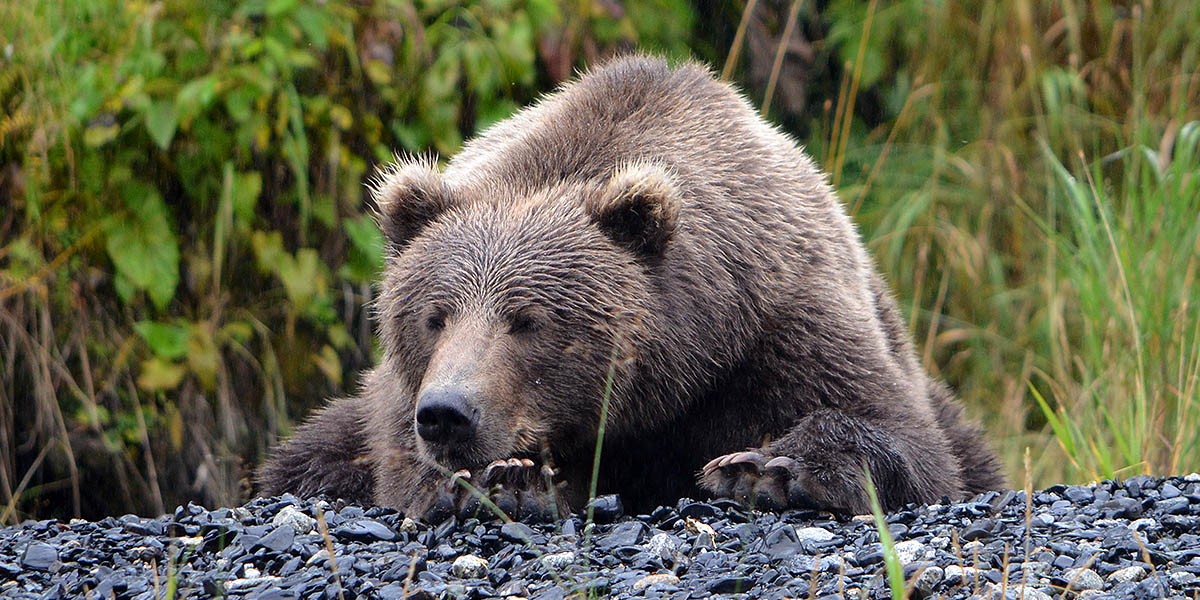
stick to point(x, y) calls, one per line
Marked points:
point(445, 416)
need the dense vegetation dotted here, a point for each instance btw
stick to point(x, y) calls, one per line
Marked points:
point(186, 248)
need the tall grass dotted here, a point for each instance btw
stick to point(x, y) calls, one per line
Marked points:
point(1035, 194)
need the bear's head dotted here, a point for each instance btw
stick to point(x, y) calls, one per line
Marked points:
point(509, 313)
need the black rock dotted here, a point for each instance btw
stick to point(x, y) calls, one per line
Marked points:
point(1173, 506)
point(1079, 494)
point(39, 556)
point(699, 510)
point(868, 556)
point(365, 530)
point(606, 509)
point(1152, 587)
point(552, 592)
point(278, 540)
point(629, 533)
point(978, 529)
point(730, 585)
point(518, 533)
point(1122, 508)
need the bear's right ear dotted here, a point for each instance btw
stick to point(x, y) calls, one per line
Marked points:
point(410, 194)
point(638, 207)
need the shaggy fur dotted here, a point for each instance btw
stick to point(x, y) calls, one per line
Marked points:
point(642, 221)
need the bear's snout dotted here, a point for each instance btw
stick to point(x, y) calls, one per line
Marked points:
point(446, 416)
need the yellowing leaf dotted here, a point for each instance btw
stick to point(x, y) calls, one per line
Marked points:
point(203, 357)
point(329, 364)
point(158, 374)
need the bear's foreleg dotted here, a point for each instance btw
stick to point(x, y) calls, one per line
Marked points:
point(821, 463)
point(328, 455)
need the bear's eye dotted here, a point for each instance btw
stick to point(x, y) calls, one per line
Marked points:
point(436, 321)
point(523, 322)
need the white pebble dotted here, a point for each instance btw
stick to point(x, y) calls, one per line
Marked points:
point(909, 551)
point(656, 579)
point(408, 526)
point(249, 582)
point(292, 517)
point(1015, 592)
point(558, 560)
point(814, 534)
point(1128, 574)
point(661, 544)
point(1140, 524)
point(469, 566)
point(956, 574)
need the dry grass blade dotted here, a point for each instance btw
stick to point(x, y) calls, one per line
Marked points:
point(780, 52)
point(735, 49)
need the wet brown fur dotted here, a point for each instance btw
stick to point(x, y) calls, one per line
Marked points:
point(642, 217)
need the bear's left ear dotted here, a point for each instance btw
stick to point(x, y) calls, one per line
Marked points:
point(638, 207)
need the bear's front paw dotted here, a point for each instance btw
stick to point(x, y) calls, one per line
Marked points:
point(518, 487)
point(758, 481)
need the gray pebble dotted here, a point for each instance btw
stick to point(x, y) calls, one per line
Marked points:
point(1128, 574)
point(1083, 579)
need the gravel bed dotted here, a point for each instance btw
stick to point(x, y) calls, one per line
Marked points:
point(1139, 538)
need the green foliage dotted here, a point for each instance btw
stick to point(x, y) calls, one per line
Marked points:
point(187, 209)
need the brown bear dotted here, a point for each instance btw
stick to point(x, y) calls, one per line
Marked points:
point(639, 241)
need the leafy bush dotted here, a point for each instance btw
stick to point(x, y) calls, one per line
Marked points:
point(189, 248)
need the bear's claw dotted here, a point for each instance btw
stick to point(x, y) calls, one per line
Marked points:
point(518, 487)
point(757, 480)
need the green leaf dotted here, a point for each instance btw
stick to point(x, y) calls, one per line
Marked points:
point(23, 259)
point(279, 7)
point(165, 340)
point(160, 122)
point(366, 250)
point(247, 187)
point(195, 96)
point(240, 101)
point(313, 22)
point(142, 246)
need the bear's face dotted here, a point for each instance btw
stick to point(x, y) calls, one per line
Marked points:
point(506, 315)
